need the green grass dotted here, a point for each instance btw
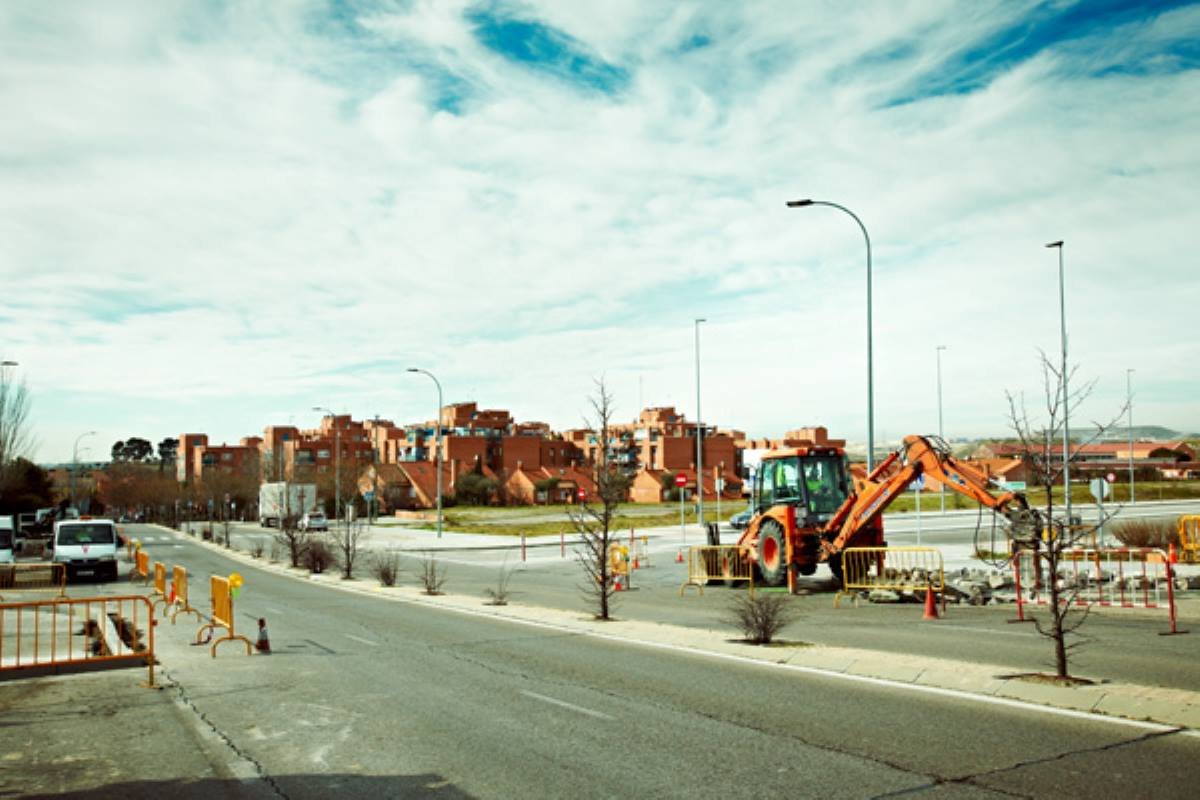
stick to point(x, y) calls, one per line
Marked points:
point(491, 521)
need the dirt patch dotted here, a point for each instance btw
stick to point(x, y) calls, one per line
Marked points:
point(1046, 678)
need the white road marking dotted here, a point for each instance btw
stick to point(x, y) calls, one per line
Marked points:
point(274, 611)
point(565, 704)
point(1017, 632)
point(360, 639)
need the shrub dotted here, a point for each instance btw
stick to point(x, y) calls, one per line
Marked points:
point(500, 594)
point(1146, 533)
point(432, 576)
point(317, 556)
point(256, 548)
point(760, 617)
point(386, 568)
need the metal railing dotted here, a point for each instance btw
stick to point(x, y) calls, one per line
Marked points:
point(896, 569)
point(711, 563)
point(1188, 528)
point(34, 577)
point(222, 615)
point(1117, 577)
point(72, 631)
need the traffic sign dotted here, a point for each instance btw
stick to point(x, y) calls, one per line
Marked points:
point(681, 480)
point(919, 483)
point(1099, 488)
point(582, 494)
point(1111, 477)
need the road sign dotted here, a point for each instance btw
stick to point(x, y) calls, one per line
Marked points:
point(919, 483)
point(1111, 477)
point(1099, 488)
point(368, 496)
point(582, 494)
point(681, 480)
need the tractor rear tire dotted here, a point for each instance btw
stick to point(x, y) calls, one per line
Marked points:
point(772, 553)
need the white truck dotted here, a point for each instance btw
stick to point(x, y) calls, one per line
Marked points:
point(277, 501)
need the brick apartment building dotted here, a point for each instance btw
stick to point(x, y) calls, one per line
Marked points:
point(195, 458)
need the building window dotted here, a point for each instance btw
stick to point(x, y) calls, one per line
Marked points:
point(227, 456)
point(322, 454)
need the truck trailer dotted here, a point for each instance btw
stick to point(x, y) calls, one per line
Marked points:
point(284, 500)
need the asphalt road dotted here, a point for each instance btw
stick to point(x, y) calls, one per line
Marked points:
point(370, 697)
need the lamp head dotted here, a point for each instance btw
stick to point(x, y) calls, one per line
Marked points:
point(412, 369)
point(799, 203)
point(1055, 244)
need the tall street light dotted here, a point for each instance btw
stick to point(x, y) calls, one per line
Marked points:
point(870, 354)
point(337, 463)
point(1066, 396)
point(75, 461)
point(438, 461)
point(941, 432)
point(1129, 405)
point(699, 433)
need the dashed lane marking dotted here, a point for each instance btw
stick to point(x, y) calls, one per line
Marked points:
point(360, 639)
point(564, 704)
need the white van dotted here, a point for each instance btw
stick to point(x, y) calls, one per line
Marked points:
point(88, 547)
point(8, 540)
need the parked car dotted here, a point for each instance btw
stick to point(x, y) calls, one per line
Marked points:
point(741, 519)
point(314, 521)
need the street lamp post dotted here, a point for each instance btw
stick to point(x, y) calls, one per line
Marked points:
point(75, 461)
point(941, 432)
point(1129, 405)
point(438, 461)
point(1066, 396)
point(870, 354)
point(699, 434)
point(337, 463)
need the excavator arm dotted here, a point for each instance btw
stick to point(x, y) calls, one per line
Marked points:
point(918, 456)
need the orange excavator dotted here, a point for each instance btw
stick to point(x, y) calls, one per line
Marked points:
point(806, 512)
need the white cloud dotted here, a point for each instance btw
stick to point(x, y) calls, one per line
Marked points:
point(234, 207)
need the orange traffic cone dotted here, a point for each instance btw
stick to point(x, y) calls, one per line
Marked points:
point(617, 585)
point(635, 563)
point(1171, 553)
point(263, 645)
point(171, 596)
point(931, 611)
point(678, 556)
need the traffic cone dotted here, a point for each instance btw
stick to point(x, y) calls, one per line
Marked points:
point(931, 611)
point(171, 597)
point(635, 563)
point(617, 586)
point(1171, 553)
point(263, 644)
point(678, 556)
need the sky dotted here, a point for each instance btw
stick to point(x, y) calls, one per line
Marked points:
point(216, 216)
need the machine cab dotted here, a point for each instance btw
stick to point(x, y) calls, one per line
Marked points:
point(814, 482)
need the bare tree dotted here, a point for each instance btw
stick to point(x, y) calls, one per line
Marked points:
point(593, 517)
point(348, 539)
point(16, 438)
point(290, 535)
point(1054, 534)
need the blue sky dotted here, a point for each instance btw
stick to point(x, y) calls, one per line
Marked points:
point(217, 216)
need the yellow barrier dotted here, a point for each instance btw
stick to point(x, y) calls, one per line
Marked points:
point(710, 563)
point(179, 584)
point(1188, 529)
point(160, 586)
point(65, 631)
point(222, 614)
point(898, 569)
point(22, 577)
point(141, 566)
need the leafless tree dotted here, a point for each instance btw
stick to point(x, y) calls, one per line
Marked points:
point(16, 438)
point(348, 539)
point(594, 516)
point(1041, 441)
point(290, 535)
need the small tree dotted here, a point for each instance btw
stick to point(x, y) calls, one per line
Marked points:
point(593, 517)
point(1052, 532)
point(475, 489)
point(348, 539)
point(16, 439)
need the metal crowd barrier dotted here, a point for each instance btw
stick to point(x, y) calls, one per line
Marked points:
point(159, 592)
point(709, 564)
point(897, 569)
point(179, 598)
point(1117, 577)
point(222, 614)
point(33, 577)
point(1188, 529)
point(141, 566)
point(71, 631)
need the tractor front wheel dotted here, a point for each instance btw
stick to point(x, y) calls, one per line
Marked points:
point(772, 554)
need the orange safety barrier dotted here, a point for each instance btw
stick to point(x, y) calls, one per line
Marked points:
point(141, 566)
point(22, 577)
point(70, 631)
point(179, 588)
point(1116, 577)
point(160, 587)
point(222, 614)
